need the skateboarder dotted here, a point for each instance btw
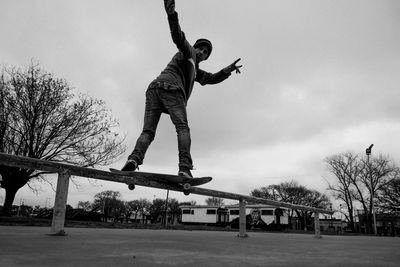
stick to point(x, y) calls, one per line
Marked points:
point(170, 91)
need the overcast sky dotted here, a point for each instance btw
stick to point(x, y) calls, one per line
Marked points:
point(318, 78)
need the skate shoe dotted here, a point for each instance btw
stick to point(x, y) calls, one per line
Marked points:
point(130, 165)
point(185, 171)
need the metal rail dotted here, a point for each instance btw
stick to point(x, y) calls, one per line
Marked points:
point(141, 178)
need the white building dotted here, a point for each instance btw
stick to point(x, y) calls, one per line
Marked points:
point(225, 214)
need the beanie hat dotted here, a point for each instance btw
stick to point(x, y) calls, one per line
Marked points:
point(205, 42)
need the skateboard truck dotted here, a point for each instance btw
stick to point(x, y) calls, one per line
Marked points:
point(186, 188)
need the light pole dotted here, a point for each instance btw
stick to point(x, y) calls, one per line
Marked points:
point(368, 152)
point(331, 223)
point(166, 209)
point(341, 225)
point(21, 203)
point(47, 200)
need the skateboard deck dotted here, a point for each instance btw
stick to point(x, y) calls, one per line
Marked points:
point(169, 179)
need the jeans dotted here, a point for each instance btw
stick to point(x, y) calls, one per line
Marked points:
point(171, 102)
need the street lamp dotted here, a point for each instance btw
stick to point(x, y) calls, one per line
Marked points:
point(166, 209)
point(47, 200)
point(368, 152)
point(341, 225)
point(331, 222)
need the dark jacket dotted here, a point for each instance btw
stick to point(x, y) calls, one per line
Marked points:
point(183, 70)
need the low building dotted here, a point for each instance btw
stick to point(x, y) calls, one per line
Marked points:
point(332, 225)
point(226, 214)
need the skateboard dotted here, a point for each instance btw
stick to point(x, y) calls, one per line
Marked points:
point(168, 179)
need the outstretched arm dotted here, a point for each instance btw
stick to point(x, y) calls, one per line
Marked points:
point(233, 67)
point(169, 6)
point(176, 33)
point(204, 77)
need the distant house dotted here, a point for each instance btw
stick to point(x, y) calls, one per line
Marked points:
point(332, 225)
point(226, 214)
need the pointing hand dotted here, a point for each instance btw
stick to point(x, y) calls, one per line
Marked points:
point(233, 67)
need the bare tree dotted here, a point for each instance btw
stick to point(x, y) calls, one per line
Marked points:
point(346, 168)
point(376, 173)
point(138, 207)
point(109, 203)
point(215, 201)
point(85, 205)
point(292, 192)
point(40, 117)
point(173, 210)
point(360, 180)
point(157, 210)
point(188, 203)
point(389, 197)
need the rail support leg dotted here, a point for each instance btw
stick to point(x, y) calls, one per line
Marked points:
point(316, 226)
point(242, 218)
point(60, 203)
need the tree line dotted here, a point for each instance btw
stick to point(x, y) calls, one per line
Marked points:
point(293, 192)
point(112, 207)
point(109, 206)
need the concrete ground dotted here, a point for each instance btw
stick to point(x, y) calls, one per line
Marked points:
point(30, 246)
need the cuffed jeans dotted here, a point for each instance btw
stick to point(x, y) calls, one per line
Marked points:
point(172, 102)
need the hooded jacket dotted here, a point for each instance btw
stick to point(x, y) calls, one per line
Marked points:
point(183, 70)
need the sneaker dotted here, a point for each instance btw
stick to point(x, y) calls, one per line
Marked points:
point(130, 165)
point(184, 171)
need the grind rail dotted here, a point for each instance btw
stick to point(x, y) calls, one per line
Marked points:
point(66, 170)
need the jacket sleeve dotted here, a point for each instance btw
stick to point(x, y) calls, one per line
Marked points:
point(204, 77)
point(178, 36)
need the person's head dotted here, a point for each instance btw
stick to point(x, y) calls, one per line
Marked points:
point(203, 49)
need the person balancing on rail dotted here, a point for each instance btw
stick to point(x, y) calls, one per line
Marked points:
point(170, 91)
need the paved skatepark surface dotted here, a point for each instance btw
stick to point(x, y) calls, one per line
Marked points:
point(31, 246)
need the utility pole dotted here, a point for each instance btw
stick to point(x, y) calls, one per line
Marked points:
point(47, 201)
point(368, 152)
point(166, 209)
point(341, 213)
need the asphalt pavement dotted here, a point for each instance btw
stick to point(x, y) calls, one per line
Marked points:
point(31, 246)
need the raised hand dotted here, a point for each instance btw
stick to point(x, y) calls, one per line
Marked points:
point(233, 67)
point(169, 6)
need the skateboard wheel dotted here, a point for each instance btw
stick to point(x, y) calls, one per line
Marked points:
point(186, 186)
point(131, 186)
